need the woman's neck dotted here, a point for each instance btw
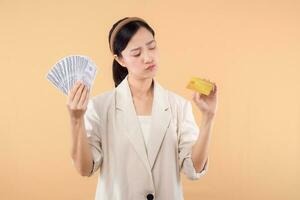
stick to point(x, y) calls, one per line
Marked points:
point(141, 88)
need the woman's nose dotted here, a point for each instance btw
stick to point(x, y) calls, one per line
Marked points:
point(147, 57)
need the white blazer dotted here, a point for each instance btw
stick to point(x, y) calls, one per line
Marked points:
point(127, 170)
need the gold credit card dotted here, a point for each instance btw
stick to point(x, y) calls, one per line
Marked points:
point(200, 85)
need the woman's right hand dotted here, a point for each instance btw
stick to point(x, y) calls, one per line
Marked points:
point(78, 98)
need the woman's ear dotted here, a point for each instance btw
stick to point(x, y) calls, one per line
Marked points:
point(119, 60)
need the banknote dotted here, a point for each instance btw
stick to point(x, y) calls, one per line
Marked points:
point(68, 70)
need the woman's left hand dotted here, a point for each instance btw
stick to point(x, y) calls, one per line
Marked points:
point(207, 104)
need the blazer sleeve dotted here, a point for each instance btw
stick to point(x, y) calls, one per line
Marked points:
point(189, 131)
point(92, 127)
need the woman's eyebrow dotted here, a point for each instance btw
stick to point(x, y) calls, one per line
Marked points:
point(140, 47)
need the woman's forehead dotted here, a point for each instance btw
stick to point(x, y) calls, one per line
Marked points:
point(140, 38)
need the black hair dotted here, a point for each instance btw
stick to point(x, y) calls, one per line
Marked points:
point(120, 42)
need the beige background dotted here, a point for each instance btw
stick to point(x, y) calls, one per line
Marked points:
point(249, 48)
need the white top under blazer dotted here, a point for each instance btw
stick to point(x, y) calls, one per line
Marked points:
point(145, 123)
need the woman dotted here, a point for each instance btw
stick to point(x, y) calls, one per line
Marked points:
point(140, 136)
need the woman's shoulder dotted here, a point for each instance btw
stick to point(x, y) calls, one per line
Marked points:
point(102, 100)
point(175, 98)
point(104, 96)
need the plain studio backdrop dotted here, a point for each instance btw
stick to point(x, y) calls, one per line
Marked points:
point(251, 49)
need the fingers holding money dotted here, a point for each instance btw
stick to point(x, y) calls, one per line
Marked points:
point(84, 98)
point(78, 94)
point(78, 100)
point(73, 91)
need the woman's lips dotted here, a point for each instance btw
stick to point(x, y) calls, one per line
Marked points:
point(151, 67)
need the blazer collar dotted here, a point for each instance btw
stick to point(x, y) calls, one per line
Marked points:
point(161, 116)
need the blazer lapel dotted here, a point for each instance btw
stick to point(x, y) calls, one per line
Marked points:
point(161, 116)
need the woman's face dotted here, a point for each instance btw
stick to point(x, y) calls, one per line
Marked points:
point(140, 55)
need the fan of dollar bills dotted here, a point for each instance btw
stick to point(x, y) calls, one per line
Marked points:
point(68, 70)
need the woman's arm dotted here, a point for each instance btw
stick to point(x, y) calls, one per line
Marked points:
point(200, 148)
point(80, 152)
point(208, 106)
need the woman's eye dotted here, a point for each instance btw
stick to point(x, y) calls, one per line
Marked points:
point(140, 54)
